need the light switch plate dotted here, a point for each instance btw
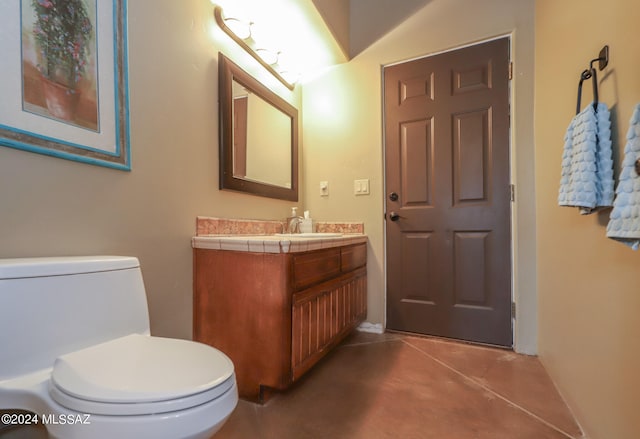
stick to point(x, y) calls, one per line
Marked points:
point(361, 187)
point(324, 188)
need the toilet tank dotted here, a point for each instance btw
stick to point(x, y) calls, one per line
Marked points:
point(53, 306)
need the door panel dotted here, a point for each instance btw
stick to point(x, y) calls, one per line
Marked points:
point(417, 149)
point(469, 269)
point(447, 158)
point(415, 252)
point(470, 154)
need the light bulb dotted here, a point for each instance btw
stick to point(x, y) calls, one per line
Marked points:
point(268, 56)
point(264, 35)
point(240, 29)
point(290, 76)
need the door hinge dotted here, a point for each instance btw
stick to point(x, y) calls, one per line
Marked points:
point(512, 190)
point(510, 70)
point(513, 310)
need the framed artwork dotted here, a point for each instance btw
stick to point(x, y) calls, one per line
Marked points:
point(64, 81)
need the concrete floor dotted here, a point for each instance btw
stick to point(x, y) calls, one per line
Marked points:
point(399, 386)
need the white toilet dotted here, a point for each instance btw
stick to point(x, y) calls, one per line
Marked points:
point(76, 351)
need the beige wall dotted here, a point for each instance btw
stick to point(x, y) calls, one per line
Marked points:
point(588, 285)
point(343, 133)
point(50, 206)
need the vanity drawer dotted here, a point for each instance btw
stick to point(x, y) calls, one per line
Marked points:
point(316, 266)
point(353, 257)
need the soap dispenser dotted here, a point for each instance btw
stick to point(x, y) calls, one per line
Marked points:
point(293, 222)
point(306, 225)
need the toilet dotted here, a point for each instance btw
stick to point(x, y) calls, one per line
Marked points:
point(76, 352)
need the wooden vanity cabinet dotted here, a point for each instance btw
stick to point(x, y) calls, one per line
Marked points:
point(276, 314)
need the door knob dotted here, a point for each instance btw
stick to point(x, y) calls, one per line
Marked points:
point(394, 216)
point(393, 196)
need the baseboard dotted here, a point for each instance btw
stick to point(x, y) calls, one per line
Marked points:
point(375, 328)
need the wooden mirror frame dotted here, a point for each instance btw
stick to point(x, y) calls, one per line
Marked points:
point(228, 72)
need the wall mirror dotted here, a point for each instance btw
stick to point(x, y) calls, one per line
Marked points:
point(258, 136)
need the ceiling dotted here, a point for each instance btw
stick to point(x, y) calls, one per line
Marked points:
point(357, 24)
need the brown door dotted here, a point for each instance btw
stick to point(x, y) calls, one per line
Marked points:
point(448, 194)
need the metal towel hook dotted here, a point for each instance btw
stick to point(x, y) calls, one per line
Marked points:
point(590, 73)
point(603, 58)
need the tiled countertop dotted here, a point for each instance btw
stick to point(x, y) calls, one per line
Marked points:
point(273, 243)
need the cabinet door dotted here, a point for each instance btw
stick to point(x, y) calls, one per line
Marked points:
point(324, 315)
point(242, 305)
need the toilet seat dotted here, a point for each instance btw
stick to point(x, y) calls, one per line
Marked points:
point(138, 375)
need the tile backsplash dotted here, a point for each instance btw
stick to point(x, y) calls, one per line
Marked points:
point(338, 227)
point(226, 226)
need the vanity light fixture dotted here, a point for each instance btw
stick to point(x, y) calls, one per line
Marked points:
point(240, 32)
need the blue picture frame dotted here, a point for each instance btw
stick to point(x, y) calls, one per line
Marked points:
point(105, 141)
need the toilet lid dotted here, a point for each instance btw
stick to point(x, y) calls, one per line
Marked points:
point(138, 369)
